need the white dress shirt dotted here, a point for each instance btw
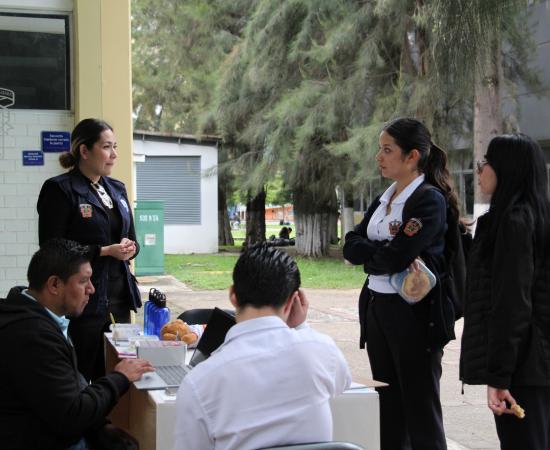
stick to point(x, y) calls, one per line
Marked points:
point(383, 226)
point(267, 385)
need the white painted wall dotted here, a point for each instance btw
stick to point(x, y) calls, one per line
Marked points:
point(19, 188)
point(201, 238)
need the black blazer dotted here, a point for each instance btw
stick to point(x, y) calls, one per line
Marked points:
point(68, 208)
point(388, 257)
point(506, 338)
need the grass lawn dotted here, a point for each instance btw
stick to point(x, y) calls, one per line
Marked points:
point(204, 272)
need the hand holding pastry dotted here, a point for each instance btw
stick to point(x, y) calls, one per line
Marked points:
point(518, 411)
point(497, 399)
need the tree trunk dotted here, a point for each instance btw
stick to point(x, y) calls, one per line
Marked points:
point(313, 223)
point(312, 233)
point(255, 218)
point(487, 113)
point(346, 206)
point(224, 228)
point(333, 227)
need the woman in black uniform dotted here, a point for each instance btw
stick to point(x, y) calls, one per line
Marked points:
point(405, 342)
point(89, 207)
point(506, 339)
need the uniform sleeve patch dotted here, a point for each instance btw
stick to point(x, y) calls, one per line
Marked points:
point(412, 227)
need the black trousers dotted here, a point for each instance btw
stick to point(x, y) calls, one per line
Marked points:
point(399, 354)
point(87, 332)
point(531, 432)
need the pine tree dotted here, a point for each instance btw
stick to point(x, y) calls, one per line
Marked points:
point(178, 49)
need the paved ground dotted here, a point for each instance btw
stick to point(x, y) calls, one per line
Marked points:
point(468, 422)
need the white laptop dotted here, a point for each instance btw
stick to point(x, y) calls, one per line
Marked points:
point(168, 357)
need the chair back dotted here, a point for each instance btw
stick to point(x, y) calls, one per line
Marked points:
point(199, 315)
point(317, 446)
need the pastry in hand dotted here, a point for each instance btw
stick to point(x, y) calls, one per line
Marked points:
point(518, 411)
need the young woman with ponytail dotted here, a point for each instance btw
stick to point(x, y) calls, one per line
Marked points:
point(87, 206)
point(405, 342)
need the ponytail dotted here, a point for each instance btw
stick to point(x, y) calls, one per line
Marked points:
point(69, 159)
point(437, 174)
point(411, 134)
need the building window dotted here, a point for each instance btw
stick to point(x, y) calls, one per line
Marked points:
point(35, 60)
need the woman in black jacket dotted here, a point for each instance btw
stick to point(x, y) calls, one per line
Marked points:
point(506, 338)
point(87, 206)
point(405, 341)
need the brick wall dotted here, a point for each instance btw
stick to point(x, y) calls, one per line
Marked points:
point(19, 188)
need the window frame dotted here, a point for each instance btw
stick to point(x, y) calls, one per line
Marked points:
point(69, 65)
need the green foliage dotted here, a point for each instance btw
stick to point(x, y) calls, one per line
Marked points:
point(299, 89)
point(178, 47)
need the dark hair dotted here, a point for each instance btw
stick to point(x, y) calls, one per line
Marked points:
point(520, 168)
point(87, 132)
point(59, 257)
point(411, 134)
point(265, 276)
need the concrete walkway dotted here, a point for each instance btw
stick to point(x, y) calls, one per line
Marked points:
point(468, 422)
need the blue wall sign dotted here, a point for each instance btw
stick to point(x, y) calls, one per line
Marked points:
point(56, 141)
point(33, 158)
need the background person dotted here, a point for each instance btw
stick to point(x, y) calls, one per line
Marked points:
point(506, 338)
point(89, 207)
point(46, 403)
point(271, 380)
point(405, 342)
point(284, 233)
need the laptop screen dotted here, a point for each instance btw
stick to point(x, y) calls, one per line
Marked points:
point(214, 334)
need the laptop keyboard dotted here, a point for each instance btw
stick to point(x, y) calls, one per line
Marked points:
point(171, 375)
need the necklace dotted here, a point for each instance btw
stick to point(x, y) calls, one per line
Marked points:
point(103, 196)
point(388, 207)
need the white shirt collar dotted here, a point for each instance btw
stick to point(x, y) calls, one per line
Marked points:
point(253, 325)
point(405, 193)
point(61, 321)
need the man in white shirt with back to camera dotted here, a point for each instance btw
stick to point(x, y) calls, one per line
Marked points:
point(271, 380)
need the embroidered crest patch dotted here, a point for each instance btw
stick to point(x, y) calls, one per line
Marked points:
point(412, 227)
point(86, 210)
point(394, 226)
point(123, 203)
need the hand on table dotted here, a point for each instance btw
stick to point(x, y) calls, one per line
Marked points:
point(133, 369)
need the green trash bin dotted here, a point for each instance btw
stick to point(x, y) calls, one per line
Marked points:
point(149, 219)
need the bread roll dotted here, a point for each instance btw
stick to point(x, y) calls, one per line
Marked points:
point(178, 329)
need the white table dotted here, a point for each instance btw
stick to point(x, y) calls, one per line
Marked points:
point(355, 417)
point(150, 415)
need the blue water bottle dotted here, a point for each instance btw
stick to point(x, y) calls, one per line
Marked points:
point(147, 311)
point(148, 323)
point(158, 313)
